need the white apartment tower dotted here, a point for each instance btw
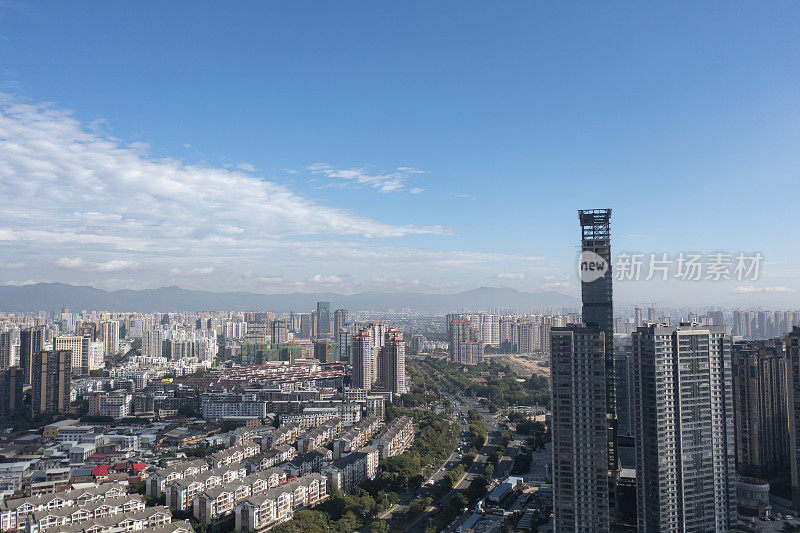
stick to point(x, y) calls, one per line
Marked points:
point(78, 345)
point(363, 360)
point(109, 334)
point(683, 425)
point(152, 342)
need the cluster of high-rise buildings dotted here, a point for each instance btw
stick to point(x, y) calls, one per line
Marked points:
point(688, 420)
point(763, 324)
point(378, 358)
point(63, 357)
point(43, 356)
point(469, 334)
point(312, 388)
point(678, 409)
point(91, 342)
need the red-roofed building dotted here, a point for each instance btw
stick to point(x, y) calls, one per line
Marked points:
point(100, 472)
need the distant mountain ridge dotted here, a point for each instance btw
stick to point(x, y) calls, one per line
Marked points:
point(55, 296)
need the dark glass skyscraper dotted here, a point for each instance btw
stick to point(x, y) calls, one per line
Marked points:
point(31, 340)
point(598, 307)
point(323, 319)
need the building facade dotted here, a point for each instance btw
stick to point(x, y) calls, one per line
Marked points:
point(685, 461)
point(580, 452)
point(323, 319)
point(50, 389)
point(78, 345)
point(598, 307)
point(363, 360)
point(11, 391)
point(761, 417)
point(31, 340)
point(792, 346)
point(393, 355)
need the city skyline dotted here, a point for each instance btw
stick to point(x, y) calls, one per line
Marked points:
point(223, 187)
point(299, 267)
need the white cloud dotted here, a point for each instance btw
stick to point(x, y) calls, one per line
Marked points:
point(247, 167)
point(511, 275)
point(114, 265)
point(22, 283)
point(556, 283)
point(79, 263)
point(95, 189)
point(10, 265)
point(319, 278)
point(412, 170)
point(104, 206)
point(386, 182)
point(70, 262)
point(749, 289)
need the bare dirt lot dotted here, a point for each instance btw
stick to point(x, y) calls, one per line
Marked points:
point(523, 365)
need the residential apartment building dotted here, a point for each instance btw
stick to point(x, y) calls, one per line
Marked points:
point(356, 436)
point(116, 404)
point(109, 334)
point(274, 456)
point(393, 355)
point(580, 453)
point(11, 388)
point(31, 341)
point(78, 346)
point(308, 462)
point(465, 344)
point(181, 493)
point(50, 381)
point(685, 460)
point(319, 436)
point(277, 505)
point(353, 469)
point(792, 346)
point(214, 503)
point(46, 519)
point(157, 481)
point(760, 409)
point(15, 514)
point(234, 455)
point(396, 438)
point(363, 360)
point(286, 434)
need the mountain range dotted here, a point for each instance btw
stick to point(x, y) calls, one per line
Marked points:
point(55, 296)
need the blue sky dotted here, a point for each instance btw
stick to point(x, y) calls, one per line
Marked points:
point(432, 146)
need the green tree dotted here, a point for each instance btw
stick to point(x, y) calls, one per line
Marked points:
point(459, 501)
point(488, 472)
point(377, 526)
point(477, 488)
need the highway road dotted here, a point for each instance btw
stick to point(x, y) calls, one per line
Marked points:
point(465, 404)
point(404, 499)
